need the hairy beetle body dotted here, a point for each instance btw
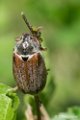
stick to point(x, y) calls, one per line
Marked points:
point(28, 65)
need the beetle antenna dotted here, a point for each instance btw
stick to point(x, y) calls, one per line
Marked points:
point(26, 21)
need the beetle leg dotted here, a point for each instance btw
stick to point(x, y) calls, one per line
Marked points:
point(13, 89)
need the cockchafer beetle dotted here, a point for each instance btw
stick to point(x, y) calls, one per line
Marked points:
point(28, 64)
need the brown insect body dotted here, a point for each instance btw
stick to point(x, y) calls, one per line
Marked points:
point(28, 65)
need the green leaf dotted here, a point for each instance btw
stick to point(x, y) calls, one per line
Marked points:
point(3, 88)
point(8, 103)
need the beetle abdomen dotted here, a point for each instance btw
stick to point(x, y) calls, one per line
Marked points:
point(30, 74)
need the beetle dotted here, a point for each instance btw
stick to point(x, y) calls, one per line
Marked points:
point(29, 68)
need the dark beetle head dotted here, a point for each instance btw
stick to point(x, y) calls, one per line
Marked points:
point(27, 45)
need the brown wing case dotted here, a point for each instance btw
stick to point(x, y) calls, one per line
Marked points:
point(31, 74)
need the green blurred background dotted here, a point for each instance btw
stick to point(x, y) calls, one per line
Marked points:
point(61, 32)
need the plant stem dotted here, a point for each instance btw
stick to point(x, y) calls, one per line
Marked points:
point(37, 101)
